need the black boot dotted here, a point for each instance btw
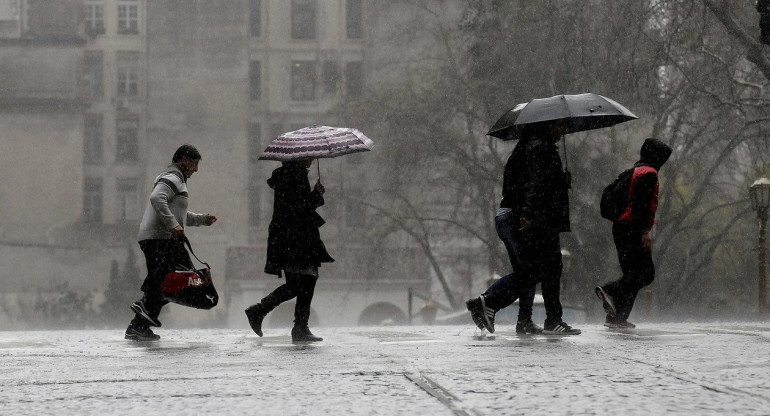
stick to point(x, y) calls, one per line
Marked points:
point(302, 334)
point(256, 313)
point(305, 288)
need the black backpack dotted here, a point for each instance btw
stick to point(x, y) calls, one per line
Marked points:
point(615, 196)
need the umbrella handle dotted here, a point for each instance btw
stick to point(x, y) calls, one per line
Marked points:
point(567, 174)
point(564, 147)
point(318, 165)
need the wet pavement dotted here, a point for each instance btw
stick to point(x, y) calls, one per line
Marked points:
point(694, 369)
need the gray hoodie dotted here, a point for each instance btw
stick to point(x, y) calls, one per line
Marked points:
point(167, 207)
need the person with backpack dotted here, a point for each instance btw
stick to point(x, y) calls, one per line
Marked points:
point(631, 202)
point(532, 213)
point(161, 236)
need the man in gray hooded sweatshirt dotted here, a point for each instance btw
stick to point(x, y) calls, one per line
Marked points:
point(161, 236)
point(632, 233)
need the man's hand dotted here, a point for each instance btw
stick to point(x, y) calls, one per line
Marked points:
point(647, 240)
point(210, 219)
point(319, 187)
point(178, 232)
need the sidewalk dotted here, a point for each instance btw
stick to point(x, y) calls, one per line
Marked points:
point(697, 369)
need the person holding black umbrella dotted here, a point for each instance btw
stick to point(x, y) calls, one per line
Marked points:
point(533, 211)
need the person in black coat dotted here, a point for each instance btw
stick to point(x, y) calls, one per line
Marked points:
point(632, 233)
point(533, 211)
point(294, 247)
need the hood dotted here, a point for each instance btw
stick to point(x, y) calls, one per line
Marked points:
point(287, 172)
point(654, 153)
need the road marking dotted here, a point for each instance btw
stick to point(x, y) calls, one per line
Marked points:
point(443, 395)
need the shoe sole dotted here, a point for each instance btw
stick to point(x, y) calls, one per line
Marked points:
point(487, 323)
point(562, 334)
point(138, 310)
point(609, 307)
point(140, 339)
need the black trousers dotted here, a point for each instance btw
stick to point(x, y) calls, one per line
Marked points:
point(637, 266)
point(301, 286)
point(537, 259)
point(162, 257)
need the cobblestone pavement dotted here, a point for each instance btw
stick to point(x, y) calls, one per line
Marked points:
point(697, 369)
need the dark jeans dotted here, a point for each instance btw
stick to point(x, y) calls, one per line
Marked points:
point(302, 287)
point(162, 257)
point(535, 255)
point(637, 266)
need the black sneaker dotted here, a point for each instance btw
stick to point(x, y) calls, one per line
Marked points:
point(138, 334)
point(527, 327)
point(560, 328)
point(483, 317)
point(477, 312)
point(138, 308)
point(607, 301)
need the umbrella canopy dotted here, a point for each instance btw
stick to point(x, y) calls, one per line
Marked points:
point(576, 113)
point(316, 142)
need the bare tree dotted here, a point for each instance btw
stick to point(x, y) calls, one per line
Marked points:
point(687, 69)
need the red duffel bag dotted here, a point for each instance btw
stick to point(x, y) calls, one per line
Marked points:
point(193, 288)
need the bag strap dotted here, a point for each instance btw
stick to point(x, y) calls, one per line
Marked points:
point(189, 247)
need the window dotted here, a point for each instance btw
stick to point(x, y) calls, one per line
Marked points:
point(255, 201)
point(93, 74)
point(128, 73)
point(303, 81)
point(93, 139)
point(354, 81)
point(255, 81)
point(128, 17)
point(353, 19)
point(255, 18)
point(127, 135)
point(330, 73)
point(95, 17)
point(128, 199)
point(255, 142)
point(303, 17)
point(92, 200)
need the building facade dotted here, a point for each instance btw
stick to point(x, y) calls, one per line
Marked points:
point(145, 76)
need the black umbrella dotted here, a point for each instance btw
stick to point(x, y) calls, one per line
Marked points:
point(575, 113)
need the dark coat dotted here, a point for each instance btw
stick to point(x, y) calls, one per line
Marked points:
point(644, 199)
point(293, 236)
point(534, 185)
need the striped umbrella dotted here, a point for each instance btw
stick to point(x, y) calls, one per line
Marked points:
point(316, 142)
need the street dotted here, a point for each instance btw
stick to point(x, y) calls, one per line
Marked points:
point(694, 368)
